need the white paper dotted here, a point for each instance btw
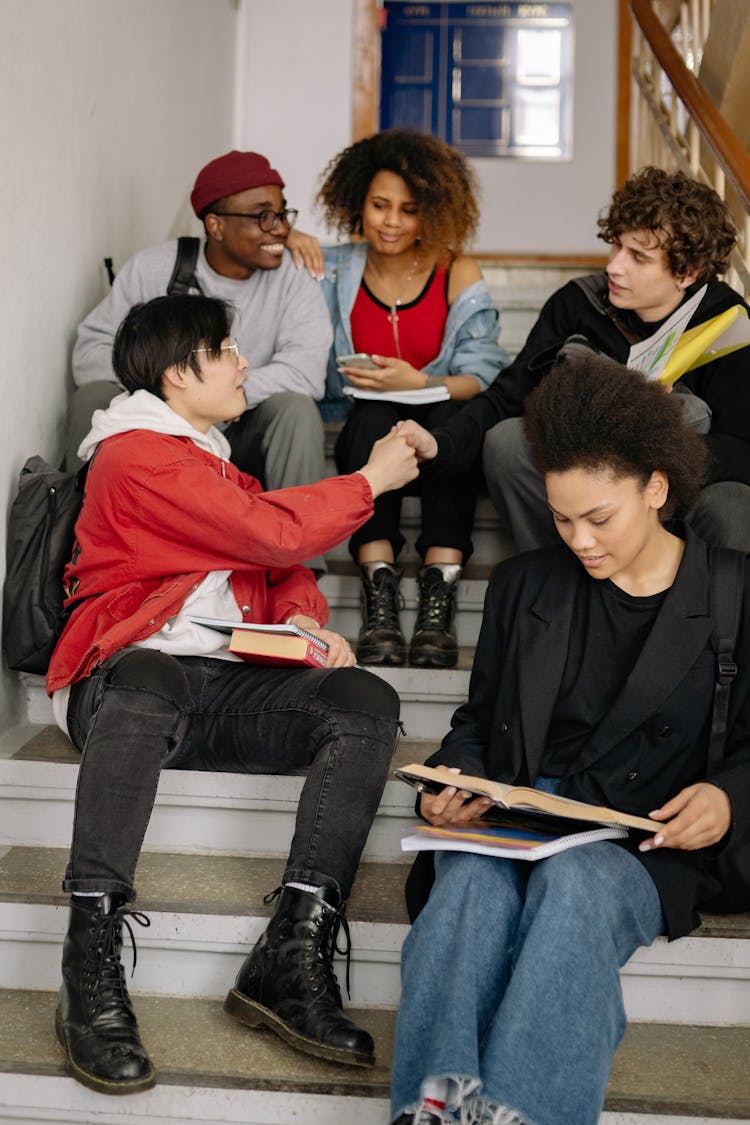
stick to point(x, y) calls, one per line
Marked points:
point(423, 396)
point(650, 355)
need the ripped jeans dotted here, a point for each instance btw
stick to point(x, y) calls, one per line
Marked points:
point(510, 981)
point(143, 710)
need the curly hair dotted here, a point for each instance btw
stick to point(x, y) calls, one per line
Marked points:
point(438, 176)
point(689, 219)
point(592, 413)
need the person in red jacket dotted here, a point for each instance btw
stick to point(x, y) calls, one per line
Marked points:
point(170, 530)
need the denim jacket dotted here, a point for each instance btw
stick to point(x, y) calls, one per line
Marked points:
point(469, 345)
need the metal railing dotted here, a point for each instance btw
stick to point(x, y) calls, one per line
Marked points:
point(675, 124)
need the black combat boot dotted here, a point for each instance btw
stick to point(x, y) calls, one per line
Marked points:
point(95, 1021)
point(380, 638)
point(288, 984)
point(434, 643)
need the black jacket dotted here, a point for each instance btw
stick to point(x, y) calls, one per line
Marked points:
point(581, 307)
point(653, 741)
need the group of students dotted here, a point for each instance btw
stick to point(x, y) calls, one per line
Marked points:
point(594, 671)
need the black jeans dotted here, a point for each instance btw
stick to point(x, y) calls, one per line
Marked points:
point(448, 502)
point(143, 710)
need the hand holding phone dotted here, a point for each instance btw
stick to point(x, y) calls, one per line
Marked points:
point(360, 359)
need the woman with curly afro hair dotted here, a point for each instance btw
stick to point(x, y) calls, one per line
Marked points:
point(593, 678)
point(405, 296)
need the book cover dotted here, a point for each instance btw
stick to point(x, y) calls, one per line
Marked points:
point(530, 802)
point(259, 643)
point(505, 842)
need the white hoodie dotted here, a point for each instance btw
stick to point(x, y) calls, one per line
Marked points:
point(213, 597)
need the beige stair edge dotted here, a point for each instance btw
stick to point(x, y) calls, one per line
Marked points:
point(659, 1069)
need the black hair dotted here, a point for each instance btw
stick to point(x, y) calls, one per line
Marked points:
point(166, 332)
point(592, 413)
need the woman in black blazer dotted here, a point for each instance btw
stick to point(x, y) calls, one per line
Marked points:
point(593, 677)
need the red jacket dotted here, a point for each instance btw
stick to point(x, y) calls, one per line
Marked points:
point(160, 513)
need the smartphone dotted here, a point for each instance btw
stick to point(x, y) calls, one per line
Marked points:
point(359, 359)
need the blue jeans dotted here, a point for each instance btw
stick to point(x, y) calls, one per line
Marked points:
point(143, 710)
point(510, 980)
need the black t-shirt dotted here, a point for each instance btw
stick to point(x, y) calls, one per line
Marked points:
point(608, 631)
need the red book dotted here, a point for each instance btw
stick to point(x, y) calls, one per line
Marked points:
point(282, 645)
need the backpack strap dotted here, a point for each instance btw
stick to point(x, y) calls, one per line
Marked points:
point(183, 275)
point(727, 570)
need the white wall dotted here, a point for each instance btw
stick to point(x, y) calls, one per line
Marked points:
point(294, 90)
point(549, 207)
point(108, 110)
point(295, 105)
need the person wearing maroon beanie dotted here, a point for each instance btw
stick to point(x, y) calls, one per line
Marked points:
point(281, 322)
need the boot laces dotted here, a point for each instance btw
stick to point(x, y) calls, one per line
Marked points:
point(435, 603)
point(103, 969)
point(383, 600)
point(322, 965)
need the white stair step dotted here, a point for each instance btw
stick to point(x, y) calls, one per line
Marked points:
point(428, 696)
point(195, 811)
point(210, 1069)
point(343, 592)
point(491, 542)
point(206, 911)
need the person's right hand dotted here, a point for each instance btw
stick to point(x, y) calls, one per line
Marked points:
point(419, 438)
point(452, 805)
point(392, 464)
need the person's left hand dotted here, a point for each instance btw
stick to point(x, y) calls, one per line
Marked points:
point(392, 374)
point(340, 654)
point(305, 250)
point(697, 817)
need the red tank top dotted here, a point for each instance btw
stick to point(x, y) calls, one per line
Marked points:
point(420, 326)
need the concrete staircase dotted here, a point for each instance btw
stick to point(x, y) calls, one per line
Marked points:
point(216, 845)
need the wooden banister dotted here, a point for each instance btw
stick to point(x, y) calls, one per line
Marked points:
point(728, 151)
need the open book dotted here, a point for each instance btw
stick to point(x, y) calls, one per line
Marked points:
point(281, 645)
point(532, 803)
point(506, 842)
point(671, 350)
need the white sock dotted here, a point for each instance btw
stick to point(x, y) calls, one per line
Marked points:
point(304, 887)
point(434, 1093)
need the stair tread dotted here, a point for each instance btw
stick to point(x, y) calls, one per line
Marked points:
point(659, 1068)
point(203, 884)
point(235, 885)
point(49, 744)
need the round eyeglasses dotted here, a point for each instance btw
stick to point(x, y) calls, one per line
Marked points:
point(266, 220)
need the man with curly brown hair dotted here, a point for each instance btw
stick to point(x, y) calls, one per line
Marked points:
point(669, 235)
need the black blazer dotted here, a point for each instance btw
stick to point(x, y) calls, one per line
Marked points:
point(652, 742)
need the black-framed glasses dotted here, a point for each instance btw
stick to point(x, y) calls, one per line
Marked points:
point(266, 220)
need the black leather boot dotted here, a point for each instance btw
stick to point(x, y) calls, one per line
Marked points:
point(434, 643)
point(288, 985)
point(380, 638)
point(95, 1021)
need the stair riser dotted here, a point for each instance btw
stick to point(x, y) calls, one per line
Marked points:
point(428, 699)
point(49, 1100)
point(188, 822)
point(343, 593)
point(699, 981)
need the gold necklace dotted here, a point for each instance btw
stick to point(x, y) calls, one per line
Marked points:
point(395, 299)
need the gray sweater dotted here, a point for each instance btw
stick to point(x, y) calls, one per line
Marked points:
point(281, 321)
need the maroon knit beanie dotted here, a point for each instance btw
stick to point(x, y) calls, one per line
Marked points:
point(233, 172)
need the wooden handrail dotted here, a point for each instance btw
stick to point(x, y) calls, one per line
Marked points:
point(730, 154)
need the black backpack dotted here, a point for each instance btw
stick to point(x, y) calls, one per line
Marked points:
point(39, 546)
